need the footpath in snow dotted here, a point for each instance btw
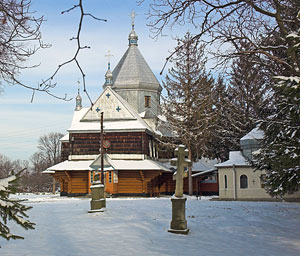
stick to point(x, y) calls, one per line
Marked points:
point(138, 226)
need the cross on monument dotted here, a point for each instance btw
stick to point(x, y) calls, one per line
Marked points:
point(180, 162)
point(108, 55)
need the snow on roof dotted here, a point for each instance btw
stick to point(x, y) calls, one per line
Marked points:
point(65, 138)
point(146, 164)
point(125, 125)
point(204, 172)
point(235, 158)
point(202, 164)
point(256, 134)
point(120, 165)
point(135, 123)
point(70, 166)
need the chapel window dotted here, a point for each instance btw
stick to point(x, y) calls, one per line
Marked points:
point(243, 181)
point(147, 101)
point(225, 179)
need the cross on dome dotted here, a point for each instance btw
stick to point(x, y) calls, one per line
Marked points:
point(108, 55)
point(132, 15)
point(133, 38)
point(108, 75)
point(78, 98)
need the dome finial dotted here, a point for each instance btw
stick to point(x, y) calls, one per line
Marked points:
point(108, 74)
point(133, 38)
point(78, 98)
point(132, 18)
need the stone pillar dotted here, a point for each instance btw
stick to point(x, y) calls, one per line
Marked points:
point(98, 201)
point(178, 223)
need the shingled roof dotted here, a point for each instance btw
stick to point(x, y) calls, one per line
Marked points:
point(133, 72)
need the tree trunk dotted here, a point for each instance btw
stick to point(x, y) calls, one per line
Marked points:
point(190, 173)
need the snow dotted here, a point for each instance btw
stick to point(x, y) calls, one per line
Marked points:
point(139, 226)
point(5, 182)
point(71, 165)
point(256, 134)
point(146, 164)
point(235, 158)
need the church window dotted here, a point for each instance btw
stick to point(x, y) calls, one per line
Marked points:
point(243, 181)
point(147, 101)
point(109, 176)
point(225, 180)
point(92, 176)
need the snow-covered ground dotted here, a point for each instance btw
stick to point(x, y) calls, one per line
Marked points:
point(138, 226)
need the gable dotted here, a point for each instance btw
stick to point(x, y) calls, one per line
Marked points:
point(111, 105)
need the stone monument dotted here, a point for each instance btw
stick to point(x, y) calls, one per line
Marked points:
point(98, 201)
point(179, 223)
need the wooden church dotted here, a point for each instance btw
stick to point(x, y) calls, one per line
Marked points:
point(130, 103)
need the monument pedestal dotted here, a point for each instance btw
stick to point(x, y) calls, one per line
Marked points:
point(178, 223)
point(98, 201)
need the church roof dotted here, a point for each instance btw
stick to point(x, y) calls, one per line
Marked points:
point(118, 115)
point(133, 72)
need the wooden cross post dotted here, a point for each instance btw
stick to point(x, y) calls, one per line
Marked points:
point(181, 162)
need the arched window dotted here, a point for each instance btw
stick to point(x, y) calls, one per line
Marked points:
point(225, 179)
point(243, 181)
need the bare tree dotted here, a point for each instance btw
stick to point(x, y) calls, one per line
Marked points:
point(49, 146)
point(20, 38)
point(265, 25)
point(8, 166)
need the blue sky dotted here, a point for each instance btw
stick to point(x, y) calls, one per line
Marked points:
point(22, 122)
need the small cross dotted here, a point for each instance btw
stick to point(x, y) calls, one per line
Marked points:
point(108, 55)
point(78, 82)
point(98, 109)
point(107, 95)
point(118, 109)
point(253, 181)
point(133, 15)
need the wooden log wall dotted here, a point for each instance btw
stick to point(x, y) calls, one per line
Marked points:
point(65, 150)
point(75, 182)
point(80, 182)
point(168, 184)
point(135, 182)
point(121, 143)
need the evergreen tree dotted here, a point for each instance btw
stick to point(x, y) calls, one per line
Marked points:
point(280, 152)
point(188, 105)
point(12, 209)
point(250, 89)
point(228, 123)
